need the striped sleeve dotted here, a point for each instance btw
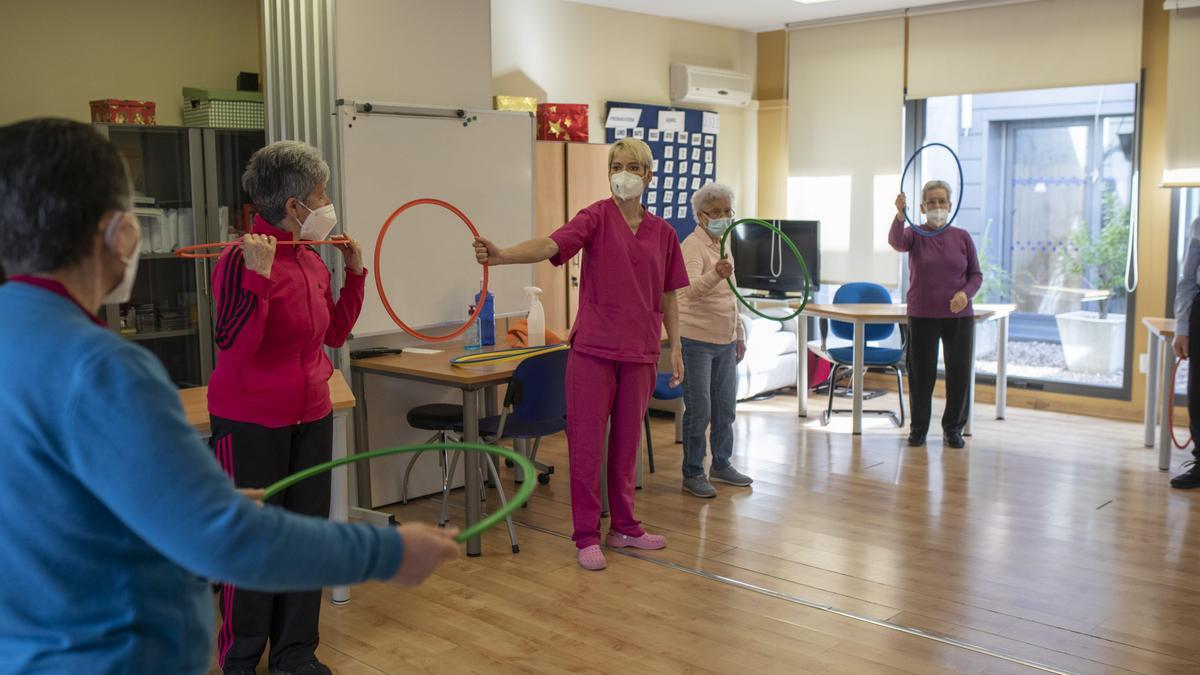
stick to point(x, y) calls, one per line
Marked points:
point(241, 303)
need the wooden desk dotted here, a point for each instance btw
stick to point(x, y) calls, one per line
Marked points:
point(195, 408)
point(862, 314)
point(434, 369)
point(195, 402)
point(1160, 386)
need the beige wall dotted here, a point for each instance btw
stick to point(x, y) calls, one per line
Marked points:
point(58, 54)
point(771, 94)
point(424, 52)
point(585, 54)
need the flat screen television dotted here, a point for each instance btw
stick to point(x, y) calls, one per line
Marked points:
point(765, 263)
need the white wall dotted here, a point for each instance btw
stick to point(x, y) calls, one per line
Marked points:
point(564, 52)
point(425, 52)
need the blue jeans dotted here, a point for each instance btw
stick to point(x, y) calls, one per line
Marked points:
point(709, 396)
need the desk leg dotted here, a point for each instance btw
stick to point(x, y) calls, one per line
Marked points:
point(471, 465)
point(491, 408)
point(362, 470)
point(339, 502)
point(970, 426)
point(860, 332)
point(802, 369)
point(1151, 410)
point(362, 443)
point(1166, 395)
point(1002, 368)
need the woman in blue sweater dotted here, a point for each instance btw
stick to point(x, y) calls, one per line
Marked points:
point(113, 513)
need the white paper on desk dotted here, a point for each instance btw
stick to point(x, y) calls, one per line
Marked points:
point(421, 350)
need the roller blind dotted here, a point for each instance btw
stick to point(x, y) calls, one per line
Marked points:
point(1032, 45)
point(845, 112)
point(1183, 100)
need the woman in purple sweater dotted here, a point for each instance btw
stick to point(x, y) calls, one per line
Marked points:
point(943, 276)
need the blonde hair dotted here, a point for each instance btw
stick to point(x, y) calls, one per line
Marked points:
point(637, 148)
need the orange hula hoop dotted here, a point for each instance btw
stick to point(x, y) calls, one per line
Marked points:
point(387, 306)
point(190, 251)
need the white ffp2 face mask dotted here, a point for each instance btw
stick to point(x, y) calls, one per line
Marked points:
point(626, 185)
point(121, 293)
point(937, 217)
point(319, 223)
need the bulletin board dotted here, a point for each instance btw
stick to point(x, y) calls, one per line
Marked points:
point(684, 145)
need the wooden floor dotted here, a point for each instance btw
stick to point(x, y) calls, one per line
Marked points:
point(1051, 539)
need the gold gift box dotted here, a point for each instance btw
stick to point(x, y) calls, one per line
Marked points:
point(522, 103)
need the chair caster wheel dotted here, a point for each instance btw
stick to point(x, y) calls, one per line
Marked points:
point(544, 478)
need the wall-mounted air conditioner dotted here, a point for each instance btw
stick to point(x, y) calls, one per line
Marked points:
point(709, 86)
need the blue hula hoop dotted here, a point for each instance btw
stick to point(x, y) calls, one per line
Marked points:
point(958, 205)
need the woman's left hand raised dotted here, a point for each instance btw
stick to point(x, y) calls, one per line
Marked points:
point(959, 302)
point(351, 252)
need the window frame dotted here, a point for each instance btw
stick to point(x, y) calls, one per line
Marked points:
point(914, 126)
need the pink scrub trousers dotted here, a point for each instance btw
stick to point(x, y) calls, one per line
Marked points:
point(615, 346)
point(599, 389)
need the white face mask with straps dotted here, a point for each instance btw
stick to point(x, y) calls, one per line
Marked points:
point(121, 293)
point(626, 185)
point(319, 223)
point(937, 217)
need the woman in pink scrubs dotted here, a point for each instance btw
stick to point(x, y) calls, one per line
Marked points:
point(632, 266)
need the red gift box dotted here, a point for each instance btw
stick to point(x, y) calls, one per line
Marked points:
point(117, 111)
point(562, 122)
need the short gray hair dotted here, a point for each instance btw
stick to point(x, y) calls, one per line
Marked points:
point(708, 193)
point(937, 185)
point(280, 171)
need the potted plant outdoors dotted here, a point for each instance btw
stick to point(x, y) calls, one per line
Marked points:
point(1094, 341)
point(997, 283)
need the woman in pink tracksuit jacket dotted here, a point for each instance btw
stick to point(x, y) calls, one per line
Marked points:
point(268, 398)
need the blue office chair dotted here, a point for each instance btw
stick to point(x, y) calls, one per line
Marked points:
point(663, 391)
point(876, 359)
point(535, 405)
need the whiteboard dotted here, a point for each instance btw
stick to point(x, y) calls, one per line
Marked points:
point(483, 166)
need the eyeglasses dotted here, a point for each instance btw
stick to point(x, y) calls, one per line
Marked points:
point(727, 213)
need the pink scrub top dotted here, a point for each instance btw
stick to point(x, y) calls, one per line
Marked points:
point(623, 280)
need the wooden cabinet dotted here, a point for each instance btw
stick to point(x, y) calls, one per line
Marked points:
point(568, 177)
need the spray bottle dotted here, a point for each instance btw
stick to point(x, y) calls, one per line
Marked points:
point(473, 335)
point(536, 323)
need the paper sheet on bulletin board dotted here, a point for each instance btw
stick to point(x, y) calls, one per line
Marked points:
point(684, 145)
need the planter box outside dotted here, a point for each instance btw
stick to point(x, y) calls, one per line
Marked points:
point(1091, 344)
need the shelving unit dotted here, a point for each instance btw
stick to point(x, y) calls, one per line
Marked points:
point(187, 183)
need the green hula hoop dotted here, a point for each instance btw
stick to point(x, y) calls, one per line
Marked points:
point(799, 258)
point(522, 496)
